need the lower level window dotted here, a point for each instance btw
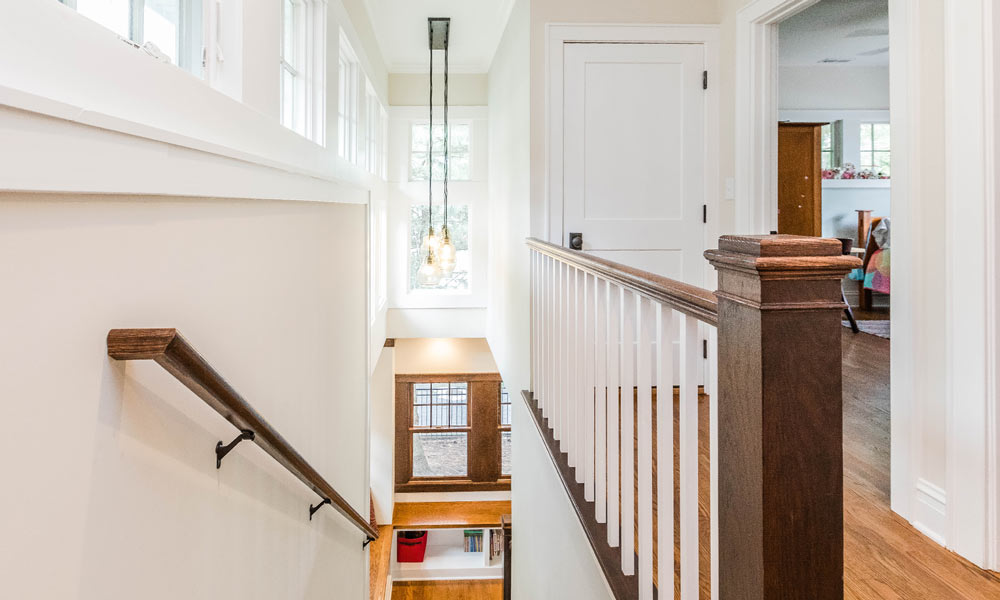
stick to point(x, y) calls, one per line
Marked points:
point(452, 433)
point(441, 454)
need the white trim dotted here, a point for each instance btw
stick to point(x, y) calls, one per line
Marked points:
point(757, 111)
point(857, 183)
point(969, 177)
point(557, 34)
point(930, 511)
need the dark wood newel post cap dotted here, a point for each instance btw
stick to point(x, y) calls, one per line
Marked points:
point(780, 416)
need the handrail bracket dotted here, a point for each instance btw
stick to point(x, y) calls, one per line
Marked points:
point(313, 509)
point(221, 451)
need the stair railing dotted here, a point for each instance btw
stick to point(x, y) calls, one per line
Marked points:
point(172, 352)
point(765, 348)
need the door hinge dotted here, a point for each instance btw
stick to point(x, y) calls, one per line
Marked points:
point(704, 348)
point(704, 213)
point(704, 80)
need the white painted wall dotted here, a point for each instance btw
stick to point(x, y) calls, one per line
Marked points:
point(436, 322)
point(383, 436)
point(833, 88)
point(552, 555)
point(111, 490)
point(464, 89)
point(444, 355)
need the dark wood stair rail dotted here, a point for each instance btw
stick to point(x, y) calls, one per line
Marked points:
point(172, 352)
point(780, 460)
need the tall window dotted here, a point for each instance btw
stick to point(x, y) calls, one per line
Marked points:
point(458, 229)
point(830, 145)
point(875, 153)
point(302, 68)
point(505, 436)
point(173, 26)
point(347, 102)
point(427, 155)
point(441, 410)
point(375, 132)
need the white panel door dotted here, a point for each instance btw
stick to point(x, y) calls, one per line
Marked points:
point(634, 154)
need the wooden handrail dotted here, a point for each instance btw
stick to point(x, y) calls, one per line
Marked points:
point(172, 352)
point(688, 299)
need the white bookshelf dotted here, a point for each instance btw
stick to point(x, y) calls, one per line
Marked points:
point(446, 558)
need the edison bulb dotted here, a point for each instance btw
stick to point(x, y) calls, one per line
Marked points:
point(431, 242)
point(428, 275)
point(446, 254)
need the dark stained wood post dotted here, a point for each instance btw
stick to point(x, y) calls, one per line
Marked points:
point(781, 532)
point(507, 526)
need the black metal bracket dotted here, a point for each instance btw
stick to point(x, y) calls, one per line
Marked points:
point(368, 539)
point(313, 509)
point(221, 451)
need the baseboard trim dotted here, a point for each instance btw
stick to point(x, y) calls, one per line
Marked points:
point(930, 511)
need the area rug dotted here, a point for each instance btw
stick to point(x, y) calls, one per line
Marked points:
point(879, 328)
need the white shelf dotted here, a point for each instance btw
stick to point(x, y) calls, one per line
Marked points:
point(446, 558)
point(857, 183)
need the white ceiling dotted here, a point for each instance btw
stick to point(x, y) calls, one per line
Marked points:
point(856, 31)
point(401, 30)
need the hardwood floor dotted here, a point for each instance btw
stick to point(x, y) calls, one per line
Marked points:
point(473, 589)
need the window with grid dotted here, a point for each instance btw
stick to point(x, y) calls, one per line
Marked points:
point(427, 156)
point(875, 153)
point(173, 26)
point(830, 146)
point(505, 435)
point(440, 429)
point(302, 66)
point(347, 102)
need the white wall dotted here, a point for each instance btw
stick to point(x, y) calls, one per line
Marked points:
point(833, 87)
point(552, 555)
point(464, 89)
point(444, 355)
point(510, 214)
point(383, 435)
point(111, 490)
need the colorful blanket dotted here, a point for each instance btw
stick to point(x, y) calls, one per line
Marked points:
point(877, 275)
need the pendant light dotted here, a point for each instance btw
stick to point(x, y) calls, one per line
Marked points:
point(429, 273)
point(446, 250)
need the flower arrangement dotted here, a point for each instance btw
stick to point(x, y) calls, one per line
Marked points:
point(849, 171)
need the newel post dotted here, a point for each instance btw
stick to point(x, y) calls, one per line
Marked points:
point(781, 533)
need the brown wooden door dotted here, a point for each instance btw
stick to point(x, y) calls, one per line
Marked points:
point(800, 195)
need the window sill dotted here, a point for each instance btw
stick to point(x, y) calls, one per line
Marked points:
point(856, 183)
point(452, 485)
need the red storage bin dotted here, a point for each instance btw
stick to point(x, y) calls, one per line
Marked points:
point(411, 546)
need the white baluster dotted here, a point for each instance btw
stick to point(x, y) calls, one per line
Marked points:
point(579, 412)
point(601, 404)
point(564, 362)
point(690, 365)
point(557, 388)
point(713, 457)
point(644, 423)
point(665, 334)
point(627, 436)
point(532, 259)
point(614, 404)
point(573, 399)
point(589, 394)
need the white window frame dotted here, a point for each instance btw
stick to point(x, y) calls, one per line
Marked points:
point(430, 173)
point(873, 151)
point(191, 28)
point(348, 118)
point(306, 114)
